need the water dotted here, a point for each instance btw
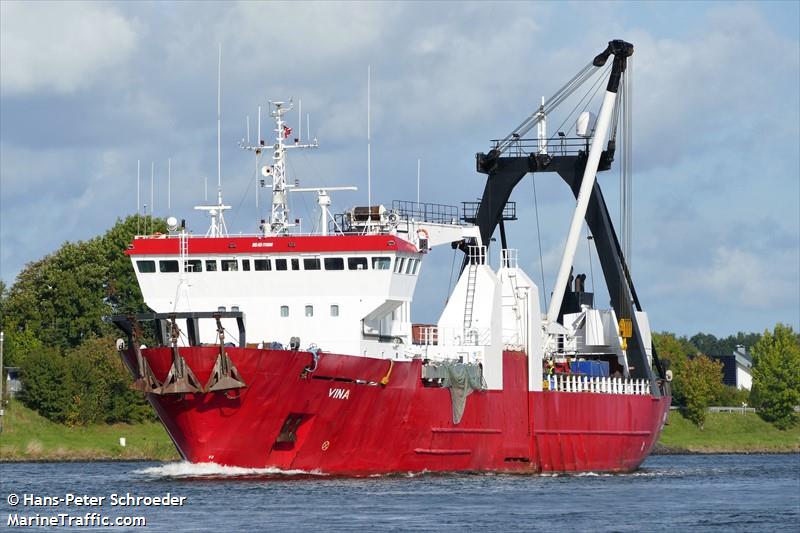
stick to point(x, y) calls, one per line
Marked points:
point(708, 493)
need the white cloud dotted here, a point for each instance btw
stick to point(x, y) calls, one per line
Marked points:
point(739, 278)
point(60, 47)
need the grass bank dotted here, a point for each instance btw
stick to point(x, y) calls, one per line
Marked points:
point(726, 433)
point(27, 436)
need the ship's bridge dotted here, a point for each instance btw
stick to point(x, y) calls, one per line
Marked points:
point(346, 292)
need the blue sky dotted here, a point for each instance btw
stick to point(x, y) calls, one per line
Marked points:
point(87, 89)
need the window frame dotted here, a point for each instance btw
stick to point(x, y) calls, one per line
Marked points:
point(377, 261)
point(312, 261)
point(331, 260)
point(149, 262)
point(192, 262)
point(164, 262)
point(357, 260)
point(266, 263)
point(229, 263)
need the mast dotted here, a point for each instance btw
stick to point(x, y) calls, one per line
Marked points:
point(279, 217)
point(279, 220)
point(219, 124)
point(369, 151)
point(217, 228)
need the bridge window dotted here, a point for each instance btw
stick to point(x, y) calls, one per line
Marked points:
point(245, 264)
point(211, 265)
point(262, 264)
point(311, 263)
point(170, 265)
point(399, 266)
point(146, 267)
point(416, 266)
point(280, 264)
point(334, 263)
point(284, 310)
point(230, 265)
point(410, 265)
point(295, 264)
point(193, 265)
point(357, 263)
point(381, 263)
point(309, 310)
point(334, 310)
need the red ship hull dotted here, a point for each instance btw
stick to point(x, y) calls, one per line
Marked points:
point(339, 419)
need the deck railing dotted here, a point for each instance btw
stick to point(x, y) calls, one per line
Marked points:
point(597, 384)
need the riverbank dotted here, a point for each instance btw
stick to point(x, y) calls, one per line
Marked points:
point(27, 436)
point(726, 433)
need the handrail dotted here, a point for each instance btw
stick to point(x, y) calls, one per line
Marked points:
point(597, 384)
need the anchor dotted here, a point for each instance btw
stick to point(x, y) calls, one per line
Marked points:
point(225, 376)
point(146, 381)
point(180, 379)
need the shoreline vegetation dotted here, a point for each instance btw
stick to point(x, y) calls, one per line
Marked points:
point(28, 436)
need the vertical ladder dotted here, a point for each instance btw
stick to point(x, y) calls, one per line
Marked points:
point(183, 251)
point(470, 300)
point(476, 257)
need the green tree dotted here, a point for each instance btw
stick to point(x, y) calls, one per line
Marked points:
point(19, 345)
point(3, 298)
point(776, 376)
point(88, 385)
point(48, 385)
point(122, 290)
point(731, 396)
point(675, 352)
point(707, 343)
point(100, 385)
point(60, 297)
point(53, 320)
point(710, 345)
point(64, 296)
point(702, 384)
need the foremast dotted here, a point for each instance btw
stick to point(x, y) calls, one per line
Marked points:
point(279, 222)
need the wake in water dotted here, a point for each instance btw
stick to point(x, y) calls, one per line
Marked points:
point(187, 470)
